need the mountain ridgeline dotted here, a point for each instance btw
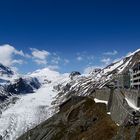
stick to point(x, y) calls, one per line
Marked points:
point(76, 106)
point(12, 83)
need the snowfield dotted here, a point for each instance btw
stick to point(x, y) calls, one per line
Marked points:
point(130, 103)
point(31, 109)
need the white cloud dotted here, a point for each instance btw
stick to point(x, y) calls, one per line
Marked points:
point(106, 61)
point(19, 61)
point(111, 53)
point(40, 62)
point(85, 56)
point(66, 61)
point(79, 58)
point(90, 57)
point(53, 67)
point(7, 53)
point(27, 55)
point(56, 59)
point(19, 52)
point(39, 56)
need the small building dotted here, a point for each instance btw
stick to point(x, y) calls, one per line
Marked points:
point(135, 76)
point(123, 80)
point(134, 93)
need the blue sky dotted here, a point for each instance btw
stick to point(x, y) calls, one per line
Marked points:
point(75, 33)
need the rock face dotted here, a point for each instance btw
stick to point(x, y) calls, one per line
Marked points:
point(5, 71)
point(82, 120)
point(95, 71)
point(11, 83)
point(19, 86)
point(23, 86)
point(73, 74)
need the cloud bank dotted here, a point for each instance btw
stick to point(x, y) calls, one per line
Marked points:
point(8, 53)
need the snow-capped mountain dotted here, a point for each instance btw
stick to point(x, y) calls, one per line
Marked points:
point(44, 74)
point(12, 83)
point(47, 76)
point(51, 89)
point(7, 74)
point(6, 71)
point(23, 85)
point(31, 109)
point(86, 84)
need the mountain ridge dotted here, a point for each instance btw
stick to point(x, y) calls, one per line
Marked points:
point(54, 89)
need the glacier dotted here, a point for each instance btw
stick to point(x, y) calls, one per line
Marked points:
point(31, 109)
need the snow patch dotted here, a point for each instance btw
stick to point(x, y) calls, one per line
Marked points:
point(132, 105)
point(31, 109)
point(109, 113)
point(100, 101)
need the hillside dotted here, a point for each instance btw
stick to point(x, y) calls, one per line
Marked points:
point(33, 98)
point(83, 120)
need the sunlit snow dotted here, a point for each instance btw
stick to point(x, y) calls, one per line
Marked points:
point(100, 101)
point(132, 105)
point(30, 109)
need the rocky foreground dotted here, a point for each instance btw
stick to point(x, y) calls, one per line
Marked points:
point(81, 119)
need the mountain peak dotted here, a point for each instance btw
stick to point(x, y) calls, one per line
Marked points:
point(4, 70)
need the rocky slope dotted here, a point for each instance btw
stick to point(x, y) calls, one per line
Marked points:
point(6, 71)
point(86, 84)
point(82, 120)
point(11, 83)
point(50, 90)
